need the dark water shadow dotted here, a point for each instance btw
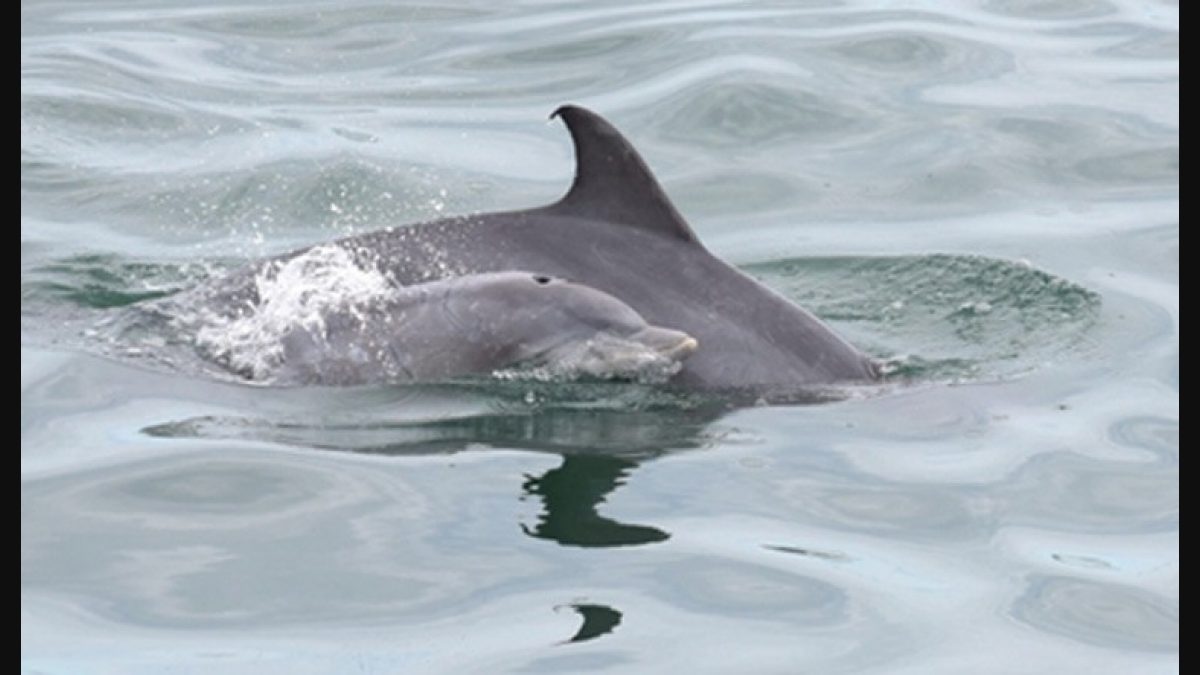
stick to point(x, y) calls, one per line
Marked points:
point(597, 620)
point(571, 495)
point(602, 435)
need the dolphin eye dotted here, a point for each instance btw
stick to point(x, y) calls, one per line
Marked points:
point(541, 279)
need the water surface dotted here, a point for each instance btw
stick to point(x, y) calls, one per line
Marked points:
point(982, 194)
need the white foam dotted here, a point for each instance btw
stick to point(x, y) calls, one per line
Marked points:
point(295, 293)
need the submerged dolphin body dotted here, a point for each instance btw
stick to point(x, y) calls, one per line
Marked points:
point(615, 230)
point(477, 324)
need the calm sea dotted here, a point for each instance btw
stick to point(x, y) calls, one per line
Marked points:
point(982, 194)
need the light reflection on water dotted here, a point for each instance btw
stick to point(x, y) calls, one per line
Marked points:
point(1014, 509)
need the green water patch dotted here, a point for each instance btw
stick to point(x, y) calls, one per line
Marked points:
point(943, 316)
point(105, 281)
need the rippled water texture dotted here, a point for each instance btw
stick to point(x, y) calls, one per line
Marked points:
point(984, 195)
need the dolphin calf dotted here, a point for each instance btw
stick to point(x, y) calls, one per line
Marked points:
point(474, 324)
point(616, 231)
point(480, 323)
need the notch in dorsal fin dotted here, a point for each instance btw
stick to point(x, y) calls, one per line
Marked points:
point(612, 182)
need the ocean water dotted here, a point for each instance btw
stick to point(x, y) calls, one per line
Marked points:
point(984, 195)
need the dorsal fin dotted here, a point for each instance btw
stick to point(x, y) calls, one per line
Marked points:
point(612, 182)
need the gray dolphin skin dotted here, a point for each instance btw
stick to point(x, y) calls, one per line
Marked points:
point(616, 231)
point(477, 324)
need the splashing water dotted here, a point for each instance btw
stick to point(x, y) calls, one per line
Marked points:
point(296, 293)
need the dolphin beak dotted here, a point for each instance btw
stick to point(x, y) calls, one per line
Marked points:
point(673, 344)
point(684, 349)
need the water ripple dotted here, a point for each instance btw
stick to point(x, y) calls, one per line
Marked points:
point(1108, 615)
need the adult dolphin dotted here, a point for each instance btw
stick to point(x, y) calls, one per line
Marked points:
point(616, 230)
